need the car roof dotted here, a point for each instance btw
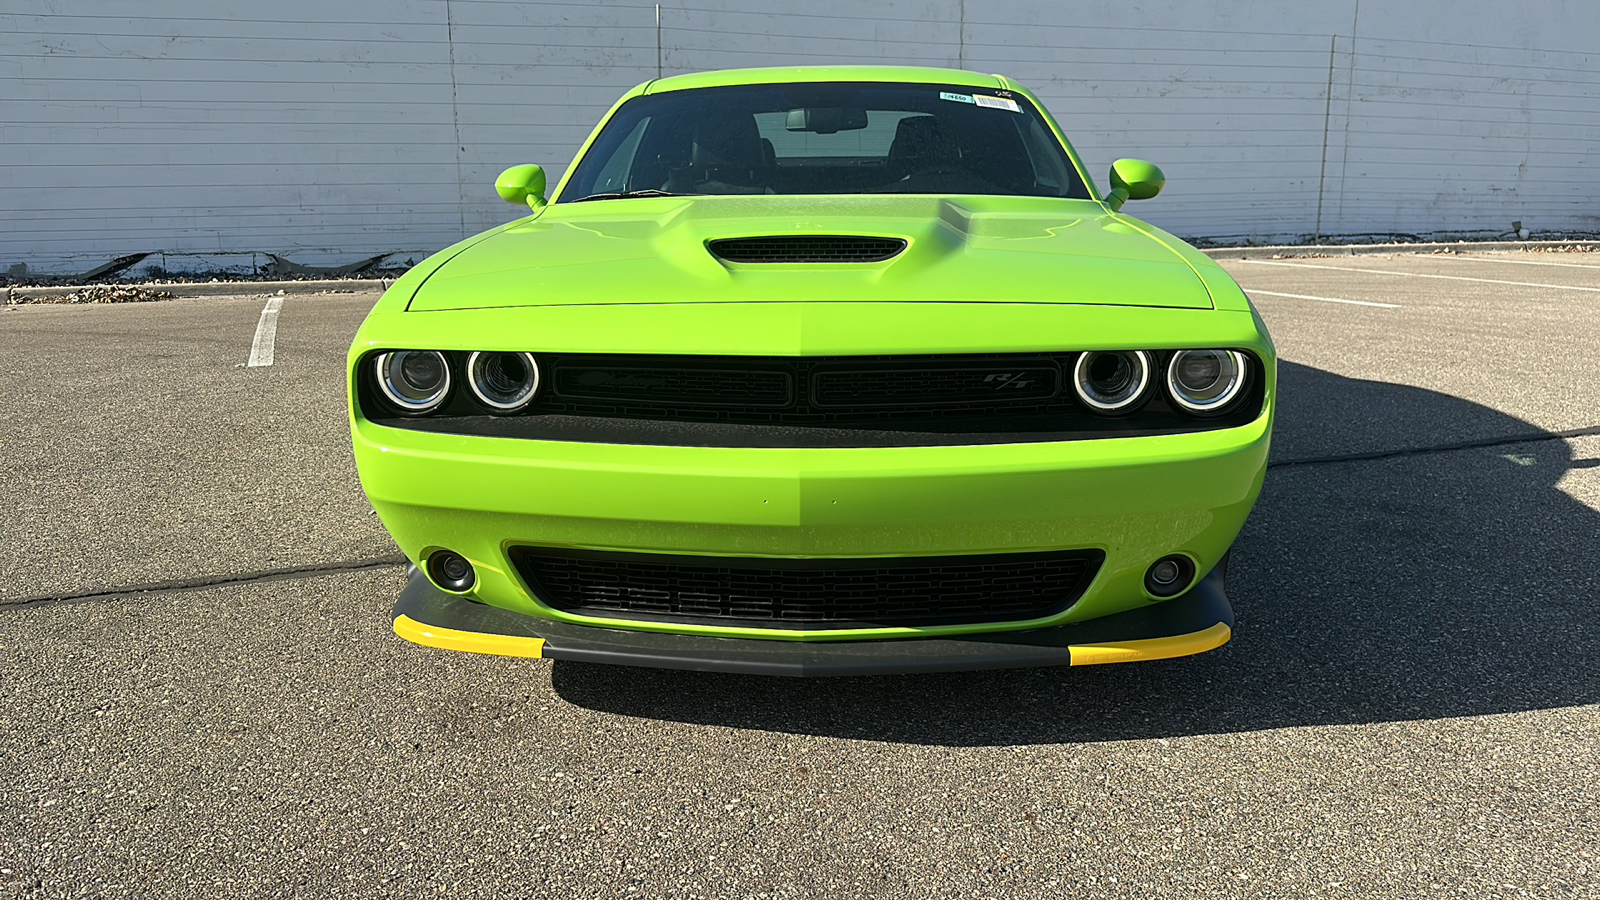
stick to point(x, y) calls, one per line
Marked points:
point(791, 74)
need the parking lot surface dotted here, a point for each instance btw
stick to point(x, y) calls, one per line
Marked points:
point(1410, 706)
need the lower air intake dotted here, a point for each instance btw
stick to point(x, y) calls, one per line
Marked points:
point(882, 592)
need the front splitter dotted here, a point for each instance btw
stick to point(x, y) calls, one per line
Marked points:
point(1198, 621)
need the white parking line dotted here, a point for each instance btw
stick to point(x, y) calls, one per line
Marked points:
point(1557, 287)
point(1323, 299)
point(1513, 262)
point(266, 335)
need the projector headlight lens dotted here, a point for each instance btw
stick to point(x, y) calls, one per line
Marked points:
point(504, 382)
point(1204, 382)
point(414, 381)
point(1111, 381)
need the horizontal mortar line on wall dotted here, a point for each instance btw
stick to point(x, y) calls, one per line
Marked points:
point(440, 62)
point(1427, 88)
point(166, 36)
point(301, 164)
point(1444, 106)
point(1154, 63)
point(432, 23)
point(1363, 140)
point(1465, 68)
point(390, 83)
point(1367, 76)
point(848, 58)
point(1516, 60)
point(175, 221)
point(122, 141)
point(275, 211)
point(1369, 44)
point(666, 11)
point(224, 225)
point(644, 8)
point(1518, 149)
point(1206, 54)
point(732, 34)
point(1116, 104)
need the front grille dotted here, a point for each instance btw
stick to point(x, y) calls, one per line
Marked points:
point(807, 248)
point(818, 391)
point(808, 593)
point(702, 385)
point(808, 401)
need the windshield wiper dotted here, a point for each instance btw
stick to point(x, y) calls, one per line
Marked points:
point(625, 195)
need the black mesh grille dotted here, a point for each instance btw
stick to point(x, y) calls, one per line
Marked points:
point(808, 594)
point(809, 401)
point(808, 248)
point(823, 391)
point(699, 386)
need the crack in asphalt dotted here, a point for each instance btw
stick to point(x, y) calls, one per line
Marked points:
point(302, 572)
point(195, 584)
point(1528, 438)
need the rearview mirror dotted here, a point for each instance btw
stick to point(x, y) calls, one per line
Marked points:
point(522, 184)
point(1133, 179)
point(826, 119)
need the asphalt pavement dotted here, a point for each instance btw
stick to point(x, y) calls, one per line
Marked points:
point(1410, 706)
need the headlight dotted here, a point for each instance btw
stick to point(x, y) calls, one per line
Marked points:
point(1111, 381)
point(504, 382)
point(1204, 382)
point(415, 381)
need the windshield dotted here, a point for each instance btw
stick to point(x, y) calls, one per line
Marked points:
point(826, 138)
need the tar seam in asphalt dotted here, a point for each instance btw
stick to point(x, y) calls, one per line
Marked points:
point(295, 574)
point(210, 581)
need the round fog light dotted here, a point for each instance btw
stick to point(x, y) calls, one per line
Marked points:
point(451, 571)
point(1169, 575)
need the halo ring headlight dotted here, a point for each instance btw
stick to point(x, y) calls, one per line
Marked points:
point(503, 381)
point(1206, 382)
point(1111, 382)
point(415, 382)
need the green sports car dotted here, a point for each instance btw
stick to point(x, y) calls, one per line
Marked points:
point(817, 371)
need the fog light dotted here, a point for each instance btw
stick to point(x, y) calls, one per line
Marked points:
point(451, 571)
point(1169, 575)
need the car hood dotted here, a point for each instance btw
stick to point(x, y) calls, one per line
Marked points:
point(958, 250)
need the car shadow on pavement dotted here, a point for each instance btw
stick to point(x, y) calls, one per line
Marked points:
point(1420, 585)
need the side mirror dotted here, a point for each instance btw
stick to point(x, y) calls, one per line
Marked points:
point(1133, 179)
point(522, 184)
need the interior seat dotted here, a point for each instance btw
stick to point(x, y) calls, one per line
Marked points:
point(919, 145)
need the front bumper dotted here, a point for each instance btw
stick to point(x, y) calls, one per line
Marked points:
point(1198, 621)
point(1134, 499)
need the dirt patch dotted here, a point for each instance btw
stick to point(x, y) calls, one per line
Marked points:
point(101, 293)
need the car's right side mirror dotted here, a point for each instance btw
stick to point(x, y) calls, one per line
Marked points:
point(1133, 179)
point(522, 184)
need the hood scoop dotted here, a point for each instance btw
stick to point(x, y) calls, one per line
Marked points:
point(806, 248)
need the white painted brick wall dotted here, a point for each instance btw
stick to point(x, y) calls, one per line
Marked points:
point(213, 132)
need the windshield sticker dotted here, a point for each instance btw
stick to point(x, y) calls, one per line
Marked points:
point(959, 98)
point(998, 103)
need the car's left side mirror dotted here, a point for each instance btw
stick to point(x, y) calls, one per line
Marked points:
point(522, 184)
point(1133, 179)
